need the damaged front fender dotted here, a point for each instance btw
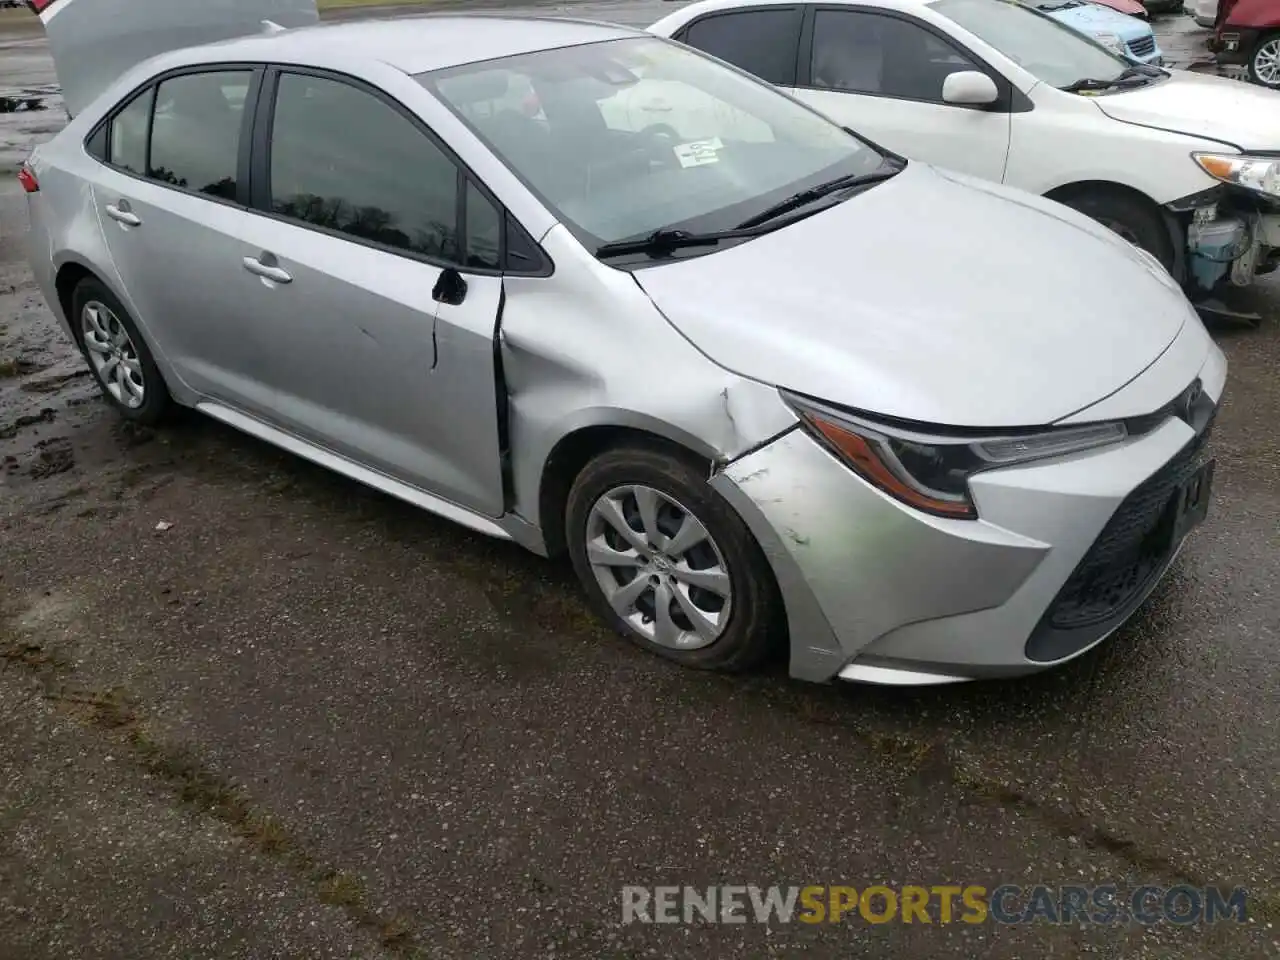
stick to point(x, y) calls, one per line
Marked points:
point(586, 349)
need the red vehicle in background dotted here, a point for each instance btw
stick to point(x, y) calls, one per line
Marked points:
point(1132, 7)
point(1247, 32)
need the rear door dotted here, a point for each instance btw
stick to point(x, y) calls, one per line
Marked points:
point(881, 73)
point(171, 193)
point(95, 41)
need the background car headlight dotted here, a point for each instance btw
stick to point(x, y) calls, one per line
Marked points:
point(931, 472)
point(1110, 41)
point(1260, 174)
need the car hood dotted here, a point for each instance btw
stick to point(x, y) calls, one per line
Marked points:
point(95, 43)
point(1232, 112)
point(1094, 18)
point(931, 297)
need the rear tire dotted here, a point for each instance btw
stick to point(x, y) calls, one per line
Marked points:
point(668, 563)
point(117, 354)
point(1129, 218)
point(1264, 62)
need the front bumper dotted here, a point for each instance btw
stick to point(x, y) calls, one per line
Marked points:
point(879, 592)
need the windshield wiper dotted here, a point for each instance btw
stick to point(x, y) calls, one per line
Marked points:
point(1134, 76)
point(886, 170)
point(665, 241)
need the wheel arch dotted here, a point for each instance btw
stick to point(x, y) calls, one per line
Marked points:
point(583, 443)
point(1113, 188)
point(69, 274)
point(66, 278)
point(1078, 188)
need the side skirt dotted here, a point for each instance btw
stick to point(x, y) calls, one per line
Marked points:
point(504, 528)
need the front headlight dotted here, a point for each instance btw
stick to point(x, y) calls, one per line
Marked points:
point(1260, 174)
point(1110, 41)
point(930, 471)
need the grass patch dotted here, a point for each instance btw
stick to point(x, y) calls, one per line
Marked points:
point(33, 656)
point(119, 717)
point(9, 15)
point(395, 932)
point(342, 890)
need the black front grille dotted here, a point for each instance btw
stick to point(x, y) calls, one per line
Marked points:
point(1142, 47)
point(1131, 550)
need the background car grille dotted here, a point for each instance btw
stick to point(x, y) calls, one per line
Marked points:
point(1142, 47)
point(1132, 548)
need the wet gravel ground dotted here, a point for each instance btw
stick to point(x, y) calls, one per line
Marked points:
point(248, 709)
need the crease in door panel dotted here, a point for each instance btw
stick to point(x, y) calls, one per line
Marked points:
point(435, 346)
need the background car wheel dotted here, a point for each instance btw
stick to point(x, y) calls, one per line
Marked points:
point(1130, 218)
point(117, 354)
point(668, 563)
point(1264, 62)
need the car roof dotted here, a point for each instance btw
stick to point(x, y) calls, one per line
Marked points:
point(415, 44)
point(708, 6)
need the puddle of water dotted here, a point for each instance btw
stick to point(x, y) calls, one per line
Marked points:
point(16, 105)
point(27, 98)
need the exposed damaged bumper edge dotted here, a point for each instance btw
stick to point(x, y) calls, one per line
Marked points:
point(895, 676)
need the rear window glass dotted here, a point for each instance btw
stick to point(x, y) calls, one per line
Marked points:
point(763, 42)
point(195, 136)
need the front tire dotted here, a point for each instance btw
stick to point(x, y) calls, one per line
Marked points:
point(118, 356)
point(1129, 218)
point(668, 563)
point(1264, 62)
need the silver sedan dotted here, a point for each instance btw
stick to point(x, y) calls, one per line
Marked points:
point(771, 387)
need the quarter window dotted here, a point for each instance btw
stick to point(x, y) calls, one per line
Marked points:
point(858, 52)
point(762, 42)
point(195, 134)
point(345, 160)
point(128, 139)
point(483, 233)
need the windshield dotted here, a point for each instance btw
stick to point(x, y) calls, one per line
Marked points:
point(625, 137)
point(1045, 48)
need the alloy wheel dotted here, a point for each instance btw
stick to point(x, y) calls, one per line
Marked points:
point(658, 567)
point(113, 354)
point(1266, 62)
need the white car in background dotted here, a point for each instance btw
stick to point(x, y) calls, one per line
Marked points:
point(1183, 165)
point(1203, 12)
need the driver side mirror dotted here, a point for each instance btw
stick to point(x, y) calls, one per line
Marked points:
point(969, 88)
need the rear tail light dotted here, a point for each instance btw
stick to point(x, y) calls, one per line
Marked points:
point(28, 180)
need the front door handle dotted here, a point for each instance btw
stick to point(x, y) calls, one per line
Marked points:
point(120, 212)
point(268, 270)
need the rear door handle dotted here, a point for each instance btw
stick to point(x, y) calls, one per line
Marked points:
point(121, 212)
point(268, 271)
